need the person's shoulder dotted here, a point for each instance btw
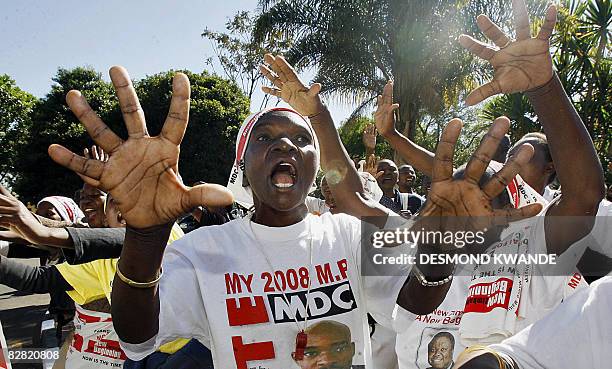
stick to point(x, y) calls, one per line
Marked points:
point(339, 219)
point(217, 230)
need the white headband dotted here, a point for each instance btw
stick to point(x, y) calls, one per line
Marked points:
point(243, 194)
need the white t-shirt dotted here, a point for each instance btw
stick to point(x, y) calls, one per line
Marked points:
point(602, 230)
point(550, 194)
point(577, 334)
point(4, 361)
point(218, 287)
point(95, 343)
point(543, 293)
point(316, 206)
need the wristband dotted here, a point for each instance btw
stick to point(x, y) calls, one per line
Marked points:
point(423, 280)
point(135, 284)
point(323, 109)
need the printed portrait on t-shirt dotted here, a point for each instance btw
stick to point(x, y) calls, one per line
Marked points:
point(329, 346)
point(438, 349)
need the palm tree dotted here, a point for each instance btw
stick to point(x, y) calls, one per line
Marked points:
point(358, 45)
point(582, 58)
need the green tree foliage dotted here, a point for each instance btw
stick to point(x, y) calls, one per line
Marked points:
point(217, 108)
point(53, 122)
point(582, 56)
point(351, 132)
point(240, 54)
point(15, 108)
point(358, 45)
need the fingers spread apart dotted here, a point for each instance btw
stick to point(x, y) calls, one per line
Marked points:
point(178, 115)
point(443, 160)
point(89, 169)
point(477, 48)
point(549, 23)
point(521, 20)
point(492, 31)
point(128, 102)
point(488, 146)
point(96, 128)
point(512, 167)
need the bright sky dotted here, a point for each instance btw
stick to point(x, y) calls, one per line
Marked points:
point(146, 37)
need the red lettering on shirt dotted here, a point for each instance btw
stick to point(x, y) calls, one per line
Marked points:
point(246, 313)
point(250, 352)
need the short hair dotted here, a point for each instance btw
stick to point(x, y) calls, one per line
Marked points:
point(541, 142)
point(440, 335)
point(486, 176)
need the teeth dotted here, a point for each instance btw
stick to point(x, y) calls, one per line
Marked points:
point(283, 185)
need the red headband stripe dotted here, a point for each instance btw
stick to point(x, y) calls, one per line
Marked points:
point(246, 132)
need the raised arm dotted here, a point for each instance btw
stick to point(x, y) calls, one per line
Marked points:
point(340, 172)
point(525, 65)
point(141, 175)
point(460, 204)
point(15, 216)
point(415, 155)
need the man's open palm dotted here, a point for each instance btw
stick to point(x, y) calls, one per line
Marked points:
point(519, 65)
point(288, 86)
point(465, 197)
point(142, 172)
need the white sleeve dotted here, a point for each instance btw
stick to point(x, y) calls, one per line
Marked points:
point(577, 334)
point(602, 230)
point(181, 306)
point(382, 283)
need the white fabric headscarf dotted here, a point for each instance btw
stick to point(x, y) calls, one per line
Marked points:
point(243, 195)
point(520, 192)
point(67, 209)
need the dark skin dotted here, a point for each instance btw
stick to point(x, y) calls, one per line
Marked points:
point(281, 137)
point(525, 65)
point(539, 170)
point(406, 178)
point(91, 202)
point(449, 197)
point(388, 179)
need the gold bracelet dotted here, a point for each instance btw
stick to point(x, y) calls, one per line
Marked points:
point(135, 284)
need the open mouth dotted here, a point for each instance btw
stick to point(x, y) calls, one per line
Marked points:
point(284, 175)
point(90, 212)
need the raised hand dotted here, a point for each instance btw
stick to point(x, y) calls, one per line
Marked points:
point(141, 173)
point(384, 116)
point(519, 65)
point(369, 137)
point(288, 86)
point(96, 153)
point(452, 197)
point(16, 217)
point(371, 166)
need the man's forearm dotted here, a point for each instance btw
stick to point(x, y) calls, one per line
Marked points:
point(415, 155)
point(135, 311)
point(576, 162)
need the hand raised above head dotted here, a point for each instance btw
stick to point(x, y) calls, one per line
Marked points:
point(385, 109)
point(465, 197)
point(369, 137)
point(288, 86)
point(519, 65)
point(141, 173)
